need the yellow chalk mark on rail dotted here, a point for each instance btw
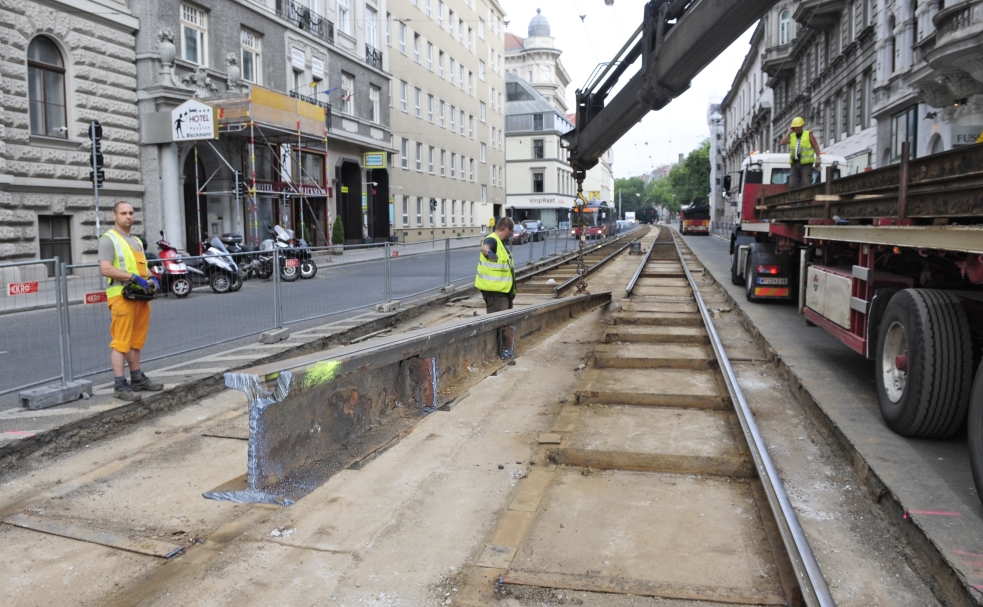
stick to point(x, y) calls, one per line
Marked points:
point(321, 373)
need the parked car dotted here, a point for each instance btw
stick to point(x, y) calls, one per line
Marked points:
point(535, 228)
point(520, 235)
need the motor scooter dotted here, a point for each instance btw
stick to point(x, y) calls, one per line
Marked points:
point(170, 270)
point(218, 267)
point(294, 249)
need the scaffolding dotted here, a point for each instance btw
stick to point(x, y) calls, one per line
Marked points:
point(278, 120)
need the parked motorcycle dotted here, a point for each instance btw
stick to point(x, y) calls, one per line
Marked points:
point(169, 269)
point(295, 249)
point(218, 267)
point(252, 262)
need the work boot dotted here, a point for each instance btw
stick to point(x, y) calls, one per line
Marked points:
point(124, 391)
point(142, 383)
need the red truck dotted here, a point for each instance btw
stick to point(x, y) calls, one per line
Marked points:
point(890, 262)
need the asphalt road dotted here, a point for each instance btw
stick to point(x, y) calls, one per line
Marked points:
point(29, 349)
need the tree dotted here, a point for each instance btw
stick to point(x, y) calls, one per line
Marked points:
point(685, 181)
point(626, 190)
point(338, 232)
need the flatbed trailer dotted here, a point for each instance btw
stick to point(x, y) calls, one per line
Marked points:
point(890, 262)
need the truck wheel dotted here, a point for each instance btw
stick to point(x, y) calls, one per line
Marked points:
point(735, 278)
point(976, 431)
point(924, 363)
point(749, 277)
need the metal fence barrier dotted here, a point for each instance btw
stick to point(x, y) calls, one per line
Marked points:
point(54, 326)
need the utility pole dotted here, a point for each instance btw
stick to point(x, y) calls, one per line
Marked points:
point(619, 204)
point(433, 221)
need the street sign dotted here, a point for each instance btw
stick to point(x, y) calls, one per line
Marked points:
point(193, 120)
point(95, 298)
point(22, 288)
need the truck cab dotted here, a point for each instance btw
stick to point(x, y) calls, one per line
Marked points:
point(761, 258)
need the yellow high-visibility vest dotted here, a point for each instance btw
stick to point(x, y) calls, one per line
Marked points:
point(808, 155)
point(495, 276)
point(125, 260)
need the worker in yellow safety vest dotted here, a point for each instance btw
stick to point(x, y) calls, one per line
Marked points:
point(496, 275)
point(804, 154)
point(123, 262)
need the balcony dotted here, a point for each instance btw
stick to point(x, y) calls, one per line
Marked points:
point(777, 62)
point(305, 19)
point(953, 66)
point(373, 56)
point(819, 14)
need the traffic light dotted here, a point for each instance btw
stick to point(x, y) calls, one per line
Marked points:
point(241, 188)
point(96, 160)
point(433, 204)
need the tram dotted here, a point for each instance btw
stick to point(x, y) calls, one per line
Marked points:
point(599, 220)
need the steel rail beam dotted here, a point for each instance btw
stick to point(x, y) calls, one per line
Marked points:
point(641, 268)
point(815, 592)
point(572, 254)
point(314, 415)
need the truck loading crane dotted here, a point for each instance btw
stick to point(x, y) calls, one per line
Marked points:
point(890, 262)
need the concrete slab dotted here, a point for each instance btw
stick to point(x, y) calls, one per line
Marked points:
point(644, 290)
point(655, 430)
point(647, 356)
point(642, 527)
point(645, 282)
point(643, 305)
point(51, 396)
point(651, 387)
point(660, 335)
point(659, 319)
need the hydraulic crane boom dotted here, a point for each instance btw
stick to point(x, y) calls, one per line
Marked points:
point(677, 39)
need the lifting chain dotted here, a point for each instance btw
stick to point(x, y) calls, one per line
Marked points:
point(581, 210)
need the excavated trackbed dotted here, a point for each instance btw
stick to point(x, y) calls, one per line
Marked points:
point(651, 488)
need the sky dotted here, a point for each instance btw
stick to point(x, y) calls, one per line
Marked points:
point(661, 136)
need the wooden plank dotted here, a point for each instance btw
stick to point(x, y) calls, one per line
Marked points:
point(723, 465)
point(614, 585)
point(104, 537)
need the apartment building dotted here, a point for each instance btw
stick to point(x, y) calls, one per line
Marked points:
point(448, 116)
point(63, 65)
point(300, 94)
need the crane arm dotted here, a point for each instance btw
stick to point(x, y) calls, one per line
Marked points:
point(677, 39)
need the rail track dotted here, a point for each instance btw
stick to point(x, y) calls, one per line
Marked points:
point(659, 483)
point(558, 278)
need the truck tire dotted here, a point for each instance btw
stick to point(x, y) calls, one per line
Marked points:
point(749, 276)
point(924, 363)
point(735, 278)
point(976, 431)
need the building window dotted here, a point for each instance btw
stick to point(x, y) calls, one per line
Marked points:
point(344, 17)
point(484, 198)
point(406, 210)
point(389, 25)
point(419, 211)
point(460, 83)
point(785, 27)
point(374, 93)
point(471, 126)
point(430, 108)
point(481, 111)
point(402, 37)
point(537, 122)
point(470, 39)
point(904, 127)
point(430, 56)
point(416, 48)
point(462, 123)
point(440, 14)
point(443, 157)
point(470, 84)
point(453, 165)
point(537, 183)
point(370, 17)
point(46, 89)
point(443, 212)
point(453, 212)
point(452, 119)
point(471, 214)
point(481, 70)
point(462, 168)
point(347, 90)
point(428, 7)
point(404, 151)
point(440, 63)
point(460, 31)
point(193, 29)
point(430, 160)
point(250, 56)
point(55, 239)
point(441, 114)
point(481, 28)
point(450, 23)
point(419, 157)
point(868, 94)
point(538, 149)
point(416, 103)
point(402, 95)
point(452, 72)
point(471, 170)
point(483, 157)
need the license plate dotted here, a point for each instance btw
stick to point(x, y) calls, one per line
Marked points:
point(772, 281)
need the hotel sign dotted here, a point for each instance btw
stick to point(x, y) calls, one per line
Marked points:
point(193, 120)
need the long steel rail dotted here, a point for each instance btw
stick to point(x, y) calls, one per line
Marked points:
point(570, 256)
point(815, 592)
point(641, 268)
point(560, 287)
